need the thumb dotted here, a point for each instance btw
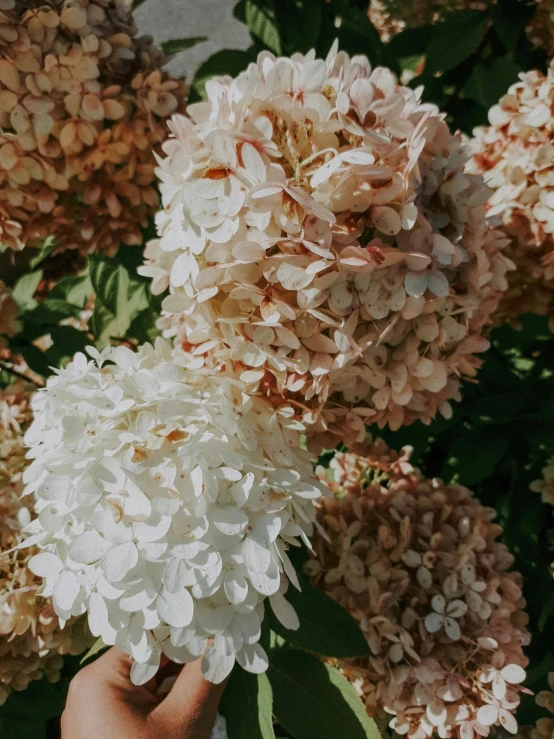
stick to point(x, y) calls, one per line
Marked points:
point(191, 706)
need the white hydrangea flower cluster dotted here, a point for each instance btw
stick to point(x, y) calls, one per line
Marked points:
point(319, 231)
point(167, 497)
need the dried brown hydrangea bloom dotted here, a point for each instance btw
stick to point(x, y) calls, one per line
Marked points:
point(516, 156)
point(83, 104)
point(9, 312)
point(541, 29)
point(418, 564)
point(391, 16)
point(31, 641)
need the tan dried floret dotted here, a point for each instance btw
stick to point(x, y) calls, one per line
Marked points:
point(515, 154)
point(319, 231)
point(545, 486)
point(419, 566)
point(83, 106)
point(31, 641)
point(544, 728)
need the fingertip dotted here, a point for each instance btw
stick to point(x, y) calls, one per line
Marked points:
point(193, 696)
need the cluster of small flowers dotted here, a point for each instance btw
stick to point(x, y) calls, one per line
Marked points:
point(418, 564)
point(545, 486)
point(319, 233)
point(9, 312)
point(31, 641)
point(167, 496)
point(516, 156)
point(83, 103)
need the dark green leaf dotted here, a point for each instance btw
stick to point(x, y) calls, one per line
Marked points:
point(326, 628)
point(312, 700)
point(455, 39)
point(510, 19)
point(119, 298)
point(410, 42)
point(247, 705)
point(474, 457)
point(52, 312)
point(499, 408)
point(299, 24)
point(110, 281)
point(143, 326)
point(228, 61)
point(174, 46)
point(67, 341)
point(357, 35)
point(261, 20)
point(490, 80)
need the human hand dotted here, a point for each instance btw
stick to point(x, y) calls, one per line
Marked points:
point(102, 703)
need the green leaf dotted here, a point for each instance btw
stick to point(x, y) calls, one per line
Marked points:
point(312, 700)
point(52, 312)
point(247, 705)
point(75, 290)
point(410, 42)
point(47, 248)
point(143, 327)
point(326, 627)
point(110, 281)
point(489, 80)
point(474, 457)
point(261, 20)
point(510, 18)
point(499, 408)
point(357, 35)
point(94, 651)
point(455, 39)
point(119, 298)
point(299, 24)
point(25, 289)
point(174, 46)
point(228, 61)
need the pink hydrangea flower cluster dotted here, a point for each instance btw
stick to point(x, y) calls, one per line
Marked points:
point(31, 640)
point(319, 231)
point(516, 156)
point(419, 565)
point(83, 104)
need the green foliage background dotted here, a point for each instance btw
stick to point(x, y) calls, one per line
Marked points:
point(498, 440)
